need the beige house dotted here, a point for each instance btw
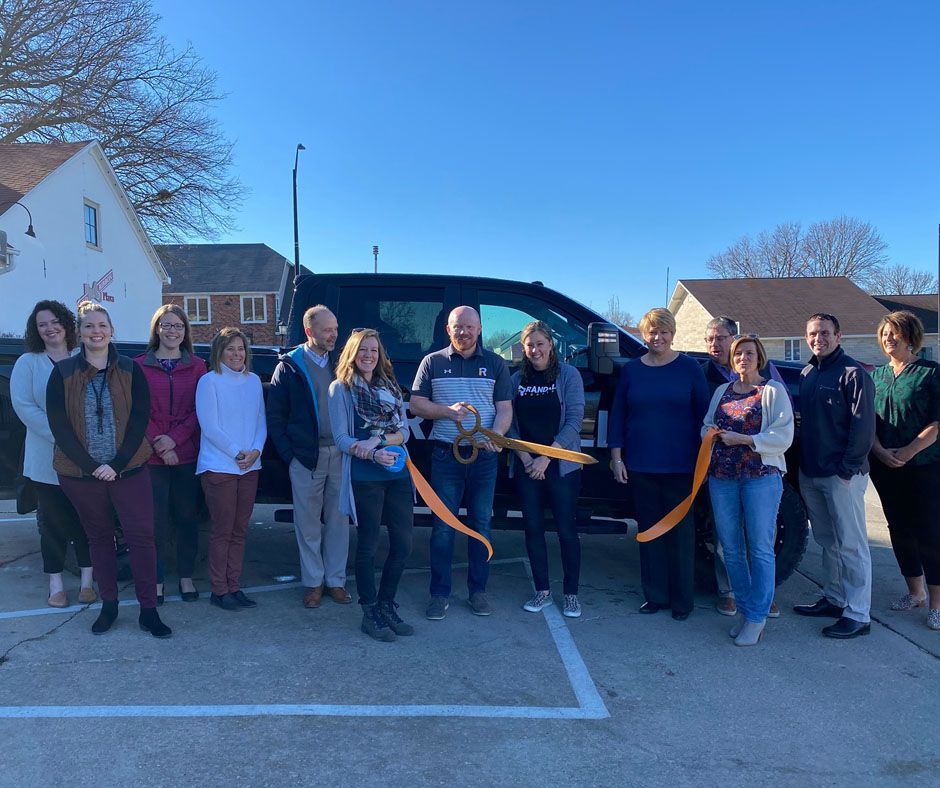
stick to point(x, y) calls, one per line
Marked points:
point(776, 310)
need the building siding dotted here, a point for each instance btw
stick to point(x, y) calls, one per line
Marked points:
point(691, 318)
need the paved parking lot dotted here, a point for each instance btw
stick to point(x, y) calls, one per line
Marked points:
point(282, 695)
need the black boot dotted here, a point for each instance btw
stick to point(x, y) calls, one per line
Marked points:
point(387, 609)
point(375, 625)
point(107, 616)
point(150, 622)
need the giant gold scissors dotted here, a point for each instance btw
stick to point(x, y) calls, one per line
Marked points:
point(466, 436)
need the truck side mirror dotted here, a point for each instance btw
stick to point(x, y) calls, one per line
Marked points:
point(603, 347)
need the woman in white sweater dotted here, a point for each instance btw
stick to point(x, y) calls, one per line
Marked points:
point(755, 422)
point(50, 337)
point(230, 409)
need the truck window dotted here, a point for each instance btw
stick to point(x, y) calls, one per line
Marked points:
point(409, 320)
point(505, 314)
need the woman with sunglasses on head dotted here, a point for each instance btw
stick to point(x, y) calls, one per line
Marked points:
point(99, 404)
point(548, 408)
point(172, 372)
point(50, 337)
point(230, 408)
point(745, 481)
point(367, 412)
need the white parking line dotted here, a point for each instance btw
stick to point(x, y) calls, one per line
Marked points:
point(590, 705)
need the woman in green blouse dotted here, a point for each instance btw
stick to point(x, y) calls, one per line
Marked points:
point(905, 467)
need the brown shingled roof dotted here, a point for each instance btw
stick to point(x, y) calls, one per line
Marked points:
point(779, 307)
point(923, 305)
point(24, 164)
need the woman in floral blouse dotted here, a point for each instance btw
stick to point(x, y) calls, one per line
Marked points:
point(755, 423)
point(905, 460)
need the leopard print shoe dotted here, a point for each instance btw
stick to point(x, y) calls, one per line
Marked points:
point(906, 602)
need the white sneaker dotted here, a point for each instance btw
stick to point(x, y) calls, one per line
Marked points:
point(541, 600)
point(572, 606)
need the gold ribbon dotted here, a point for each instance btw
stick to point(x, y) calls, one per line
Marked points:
point(674, 517)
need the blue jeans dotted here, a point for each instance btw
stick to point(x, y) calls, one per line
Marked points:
point(748, 545)
point(473, 484)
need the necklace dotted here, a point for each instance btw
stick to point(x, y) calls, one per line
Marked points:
point(99, 398)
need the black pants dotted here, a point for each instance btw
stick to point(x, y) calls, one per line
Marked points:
point(910, 497)
point(560, 493)
point(667, 564)
point(176, 497)
point(390, 502)
point(58, 525)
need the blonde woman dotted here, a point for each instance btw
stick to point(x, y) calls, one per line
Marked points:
point(172, 372)
point(367, 413)
point(98, 405)
point(230, 408)
point(653, 436)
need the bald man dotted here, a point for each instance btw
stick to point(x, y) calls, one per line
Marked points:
point(447, 380)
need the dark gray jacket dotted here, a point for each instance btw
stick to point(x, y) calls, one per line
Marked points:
point(570, 389)
point(837, 416)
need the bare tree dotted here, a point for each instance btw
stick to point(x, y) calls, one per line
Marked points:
point(900, 279)
point(844, 247)
point(97, 69)
point(781, 251)
point(741, 259)
point(616, 315)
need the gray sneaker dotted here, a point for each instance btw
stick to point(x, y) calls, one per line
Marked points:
point(479, 604)
point(572, 606)
point(542, 599)
point(437, 607)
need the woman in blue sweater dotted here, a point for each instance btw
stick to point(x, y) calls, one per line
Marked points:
point(653, 436)
point(547, 408)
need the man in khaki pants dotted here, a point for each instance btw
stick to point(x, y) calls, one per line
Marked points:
point(299, 427)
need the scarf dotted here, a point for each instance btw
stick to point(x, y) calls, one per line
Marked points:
point(378, 405)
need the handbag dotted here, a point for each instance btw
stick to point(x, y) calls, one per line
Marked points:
point(26, 500)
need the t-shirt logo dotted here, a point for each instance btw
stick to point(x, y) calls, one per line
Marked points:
point(447, 371)
point(482, 372)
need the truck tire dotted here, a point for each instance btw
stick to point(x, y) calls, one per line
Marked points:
point(789, 544)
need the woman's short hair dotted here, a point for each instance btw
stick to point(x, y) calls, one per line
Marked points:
point(346, 365)
point(34, 342)
point(906, 325)
point(657, 318)
point(753, 339)
point(527, 370)
point(221, 341)
point(170, 309)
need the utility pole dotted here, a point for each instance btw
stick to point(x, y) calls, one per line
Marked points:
point(375, 254)
point(299, 148)
point(667, 286)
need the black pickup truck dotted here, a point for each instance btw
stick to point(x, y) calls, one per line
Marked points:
point(410, 311)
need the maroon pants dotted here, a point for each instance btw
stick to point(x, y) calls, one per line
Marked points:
point(97, 503)
point(230, 499)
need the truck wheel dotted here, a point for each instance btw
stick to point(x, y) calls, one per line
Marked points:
point(789, 544)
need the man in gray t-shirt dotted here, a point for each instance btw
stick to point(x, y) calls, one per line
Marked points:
point(462, 373)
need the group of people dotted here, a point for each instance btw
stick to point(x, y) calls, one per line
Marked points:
point(110, 439)
point(851, 423)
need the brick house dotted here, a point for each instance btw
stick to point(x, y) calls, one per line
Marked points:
point(776, 310)
point(248, 286)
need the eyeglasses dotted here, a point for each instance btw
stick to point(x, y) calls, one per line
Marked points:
point(172, 326)
point(717, 337)
point(746, 336)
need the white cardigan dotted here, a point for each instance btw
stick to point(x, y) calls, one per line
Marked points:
point(28, 391)
point(230, 409)
point(776, 423)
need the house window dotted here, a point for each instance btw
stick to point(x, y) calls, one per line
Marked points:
point(198, 309)
point(926, 353)
point(254, 309)
point(91, 224)
point(792, 349)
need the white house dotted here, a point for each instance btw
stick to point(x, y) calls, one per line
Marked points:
point(88, 240)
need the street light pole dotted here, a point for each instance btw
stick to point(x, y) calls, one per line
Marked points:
point(375, 254)
point(300, 147)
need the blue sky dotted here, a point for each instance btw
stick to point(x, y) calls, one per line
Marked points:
point(588, 144)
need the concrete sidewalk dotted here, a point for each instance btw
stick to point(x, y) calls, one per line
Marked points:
point(613, 698)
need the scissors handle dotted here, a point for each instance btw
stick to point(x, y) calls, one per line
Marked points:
point(474, 450)
point(464, 432)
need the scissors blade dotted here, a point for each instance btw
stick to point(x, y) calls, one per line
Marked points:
point(548, 451)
